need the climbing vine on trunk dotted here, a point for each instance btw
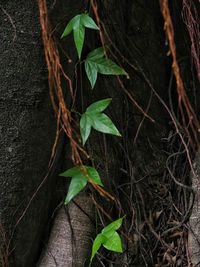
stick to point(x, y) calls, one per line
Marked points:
point(150, 229)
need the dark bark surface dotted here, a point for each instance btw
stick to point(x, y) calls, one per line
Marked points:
point(27, 128)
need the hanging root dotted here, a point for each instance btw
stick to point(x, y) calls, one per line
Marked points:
point(192, 21)
point(56, 73)
point(190, 117)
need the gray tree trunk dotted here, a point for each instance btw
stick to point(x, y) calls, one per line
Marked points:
point(71, 235)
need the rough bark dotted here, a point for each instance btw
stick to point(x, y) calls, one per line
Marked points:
point(26, 132)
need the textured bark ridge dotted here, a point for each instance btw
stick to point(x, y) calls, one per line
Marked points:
point(194, 222)
point(70, 238)
point(26, 132)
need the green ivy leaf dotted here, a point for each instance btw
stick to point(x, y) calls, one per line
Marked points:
point(94, 175)
point(71, 172)
point(109, 238)
point(102, 123)
point(88, 22)
point(113, 226)
point(99, 106)
point(78, 24)
point(68, 29)
point(94, 118)
point(78, 182)
point(91, 72)
point(85, 127)
point(96, 245)
point(96, 62)
point(80, 176)
point(108, 67)
point(113, 243)
point(79, 35)
point(96, 54)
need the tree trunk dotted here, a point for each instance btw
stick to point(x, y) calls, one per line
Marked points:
point(70, 239)
point(27, 129)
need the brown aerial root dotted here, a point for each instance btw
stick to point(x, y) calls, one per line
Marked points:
point(183, 100)
point(192, 20)
point(56, 72)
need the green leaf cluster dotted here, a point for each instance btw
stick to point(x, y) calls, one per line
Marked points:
point(94, 118)
point(80, 176)
point(96, 62)
point(108, 238)
point(78, 24)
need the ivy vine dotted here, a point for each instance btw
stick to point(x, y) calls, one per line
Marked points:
point(95, 63)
